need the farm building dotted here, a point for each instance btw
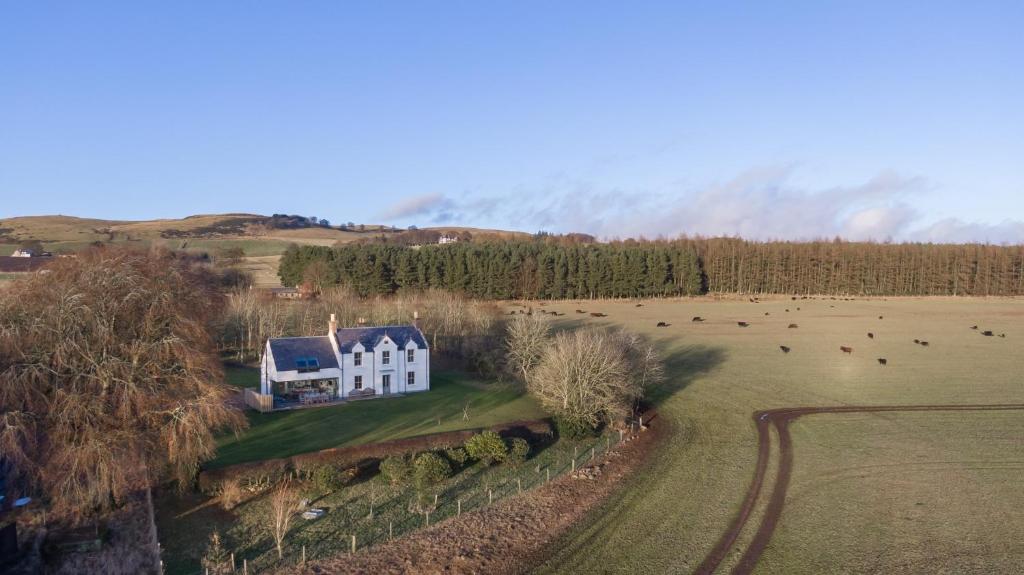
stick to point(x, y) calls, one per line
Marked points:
point(22, 264)
point(347, 363)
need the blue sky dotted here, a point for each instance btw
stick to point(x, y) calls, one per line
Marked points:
point(773, 120)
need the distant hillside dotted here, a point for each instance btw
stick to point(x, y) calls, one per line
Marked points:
point(262, 238)
point(208, 231)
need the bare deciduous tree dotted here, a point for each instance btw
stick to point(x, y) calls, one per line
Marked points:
point(110, 377)
point(285, 502)
point(527, 339)
point(590, 375)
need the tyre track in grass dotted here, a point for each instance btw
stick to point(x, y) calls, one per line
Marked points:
point(781, 419)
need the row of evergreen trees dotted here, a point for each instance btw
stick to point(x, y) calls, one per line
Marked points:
point(546, 269)
point(501, 269)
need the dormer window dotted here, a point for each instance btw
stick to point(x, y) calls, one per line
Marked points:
point(357, 358)
point(410, 355)
point(307, 364)
point(385, 357)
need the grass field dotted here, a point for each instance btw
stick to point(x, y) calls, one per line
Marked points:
point(945, 496)
point(720, 373)
point(287, 433)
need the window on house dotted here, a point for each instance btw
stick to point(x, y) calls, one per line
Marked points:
point(358, 383)
point(410, 378)
point(410, 355)
point(385, 357)
point(307, 364)
point(357, 359)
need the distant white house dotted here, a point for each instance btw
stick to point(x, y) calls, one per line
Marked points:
point(447, 239)
point(347, 363)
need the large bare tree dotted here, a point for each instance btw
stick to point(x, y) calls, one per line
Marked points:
point(528, 336)
point(589, 375)
point(110, 379)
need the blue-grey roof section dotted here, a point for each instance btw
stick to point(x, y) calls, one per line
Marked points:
point(288, 349)
point(348, 337)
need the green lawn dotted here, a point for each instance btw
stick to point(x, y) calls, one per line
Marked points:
point(242, 376)
point(282, 434)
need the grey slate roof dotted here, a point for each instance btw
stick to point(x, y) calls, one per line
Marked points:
point(287, 349)
point(348, 337)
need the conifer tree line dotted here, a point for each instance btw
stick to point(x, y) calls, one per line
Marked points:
point(514, 269)
point(546, 268)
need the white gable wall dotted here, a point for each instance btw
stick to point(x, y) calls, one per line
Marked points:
point(350, 371)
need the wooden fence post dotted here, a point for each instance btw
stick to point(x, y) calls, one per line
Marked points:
point(391, 532)
point(520, 482)
point(548, 471)
point(232, 562)
point(574, 465)
point(591, 453)
point(435, 500)
point(303, 554)
point(245, 566)
point(459, 514)
point(353, 543)
point(490, 496)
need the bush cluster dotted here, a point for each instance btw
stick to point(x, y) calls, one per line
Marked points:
point(486, 447)
point(396, 469)
point(429, 469)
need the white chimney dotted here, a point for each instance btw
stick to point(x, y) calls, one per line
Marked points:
point(362, 321)
point(333, 325)
point(415, 318)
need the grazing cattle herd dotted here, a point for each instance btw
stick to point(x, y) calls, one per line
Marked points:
point(847, 350)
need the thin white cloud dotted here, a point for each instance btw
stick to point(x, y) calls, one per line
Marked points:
point(416, 206)
point(760, 204)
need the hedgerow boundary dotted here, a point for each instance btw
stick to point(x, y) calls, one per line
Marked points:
point(533, 431)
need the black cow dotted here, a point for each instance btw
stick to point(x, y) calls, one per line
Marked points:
point(871, 335)
point(662, 324)
point(784, 349)
point(883, 361)
point(742, 324)
point(697, 319)
point(793, 326)
point(845, 349)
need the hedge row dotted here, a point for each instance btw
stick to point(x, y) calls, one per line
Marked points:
point(533, 431)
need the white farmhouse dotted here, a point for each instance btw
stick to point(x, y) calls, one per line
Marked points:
point(347, 363)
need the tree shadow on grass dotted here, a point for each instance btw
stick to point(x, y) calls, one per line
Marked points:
point(682, 367)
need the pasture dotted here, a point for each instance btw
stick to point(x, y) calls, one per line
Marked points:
point(870, 492)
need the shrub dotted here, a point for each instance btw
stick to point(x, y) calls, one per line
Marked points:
point(396, 470)
point(430, 469)
point(456, 455)
point(518, 449)
point(487, 447)
point(231, 493)
point(569, 428)
point(328, 477)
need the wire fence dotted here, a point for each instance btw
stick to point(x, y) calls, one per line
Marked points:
point(371, 524)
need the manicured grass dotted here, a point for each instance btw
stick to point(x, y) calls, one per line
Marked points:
point(287, 433)
point(242, 376)
point(672, 513)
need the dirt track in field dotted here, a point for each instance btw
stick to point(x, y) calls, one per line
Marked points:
point(781, 418)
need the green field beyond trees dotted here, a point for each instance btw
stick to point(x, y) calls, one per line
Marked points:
point(871, 493)
point(553, 267)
